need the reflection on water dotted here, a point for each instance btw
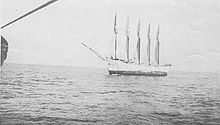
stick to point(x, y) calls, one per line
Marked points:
point(33, 94)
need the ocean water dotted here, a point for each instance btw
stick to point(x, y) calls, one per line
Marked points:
point(35, 94)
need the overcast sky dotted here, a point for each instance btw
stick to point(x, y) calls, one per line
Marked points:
point(189, 37)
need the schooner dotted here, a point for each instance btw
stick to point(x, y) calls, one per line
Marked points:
point(118, 66)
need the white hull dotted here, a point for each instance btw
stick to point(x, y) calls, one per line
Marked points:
point(116, 67)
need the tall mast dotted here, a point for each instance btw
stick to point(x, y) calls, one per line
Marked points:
point(157, 52)
point(116, 33)
point(139, 43)
point(148, 45)
point(127, 37)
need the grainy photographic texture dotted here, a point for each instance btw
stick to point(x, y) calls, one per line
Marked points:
point(110, 62)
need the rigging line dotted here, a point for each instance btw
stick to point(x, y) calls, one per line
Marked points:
point(42, 6)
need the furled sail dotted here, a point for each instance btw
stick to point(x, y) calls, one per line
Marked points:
point(116, 33)
point(127, 37)
point(148, 45)
point(157, 47)
point(138, 43)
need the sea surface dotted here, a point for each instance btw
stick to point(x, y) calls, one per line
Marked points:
point(37, 94)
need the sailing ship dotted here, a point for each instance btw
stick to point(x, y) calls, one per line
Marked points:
point(117, 66)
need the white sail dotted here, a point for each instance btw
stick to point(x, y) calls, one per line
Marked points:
point(138, 44)
point(127, 37)
point(157, 48)
point(116, 33)
point(148, 45)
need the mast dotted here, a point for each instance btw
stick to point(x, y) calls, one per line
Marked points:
point(148, 45)
point(127, 37)
point(157, 54)
point(116, 33)
point(139, 43)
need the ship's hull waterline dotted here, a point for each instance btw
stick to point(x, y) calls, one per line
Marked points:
point(137, 73)
point(121, 68)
